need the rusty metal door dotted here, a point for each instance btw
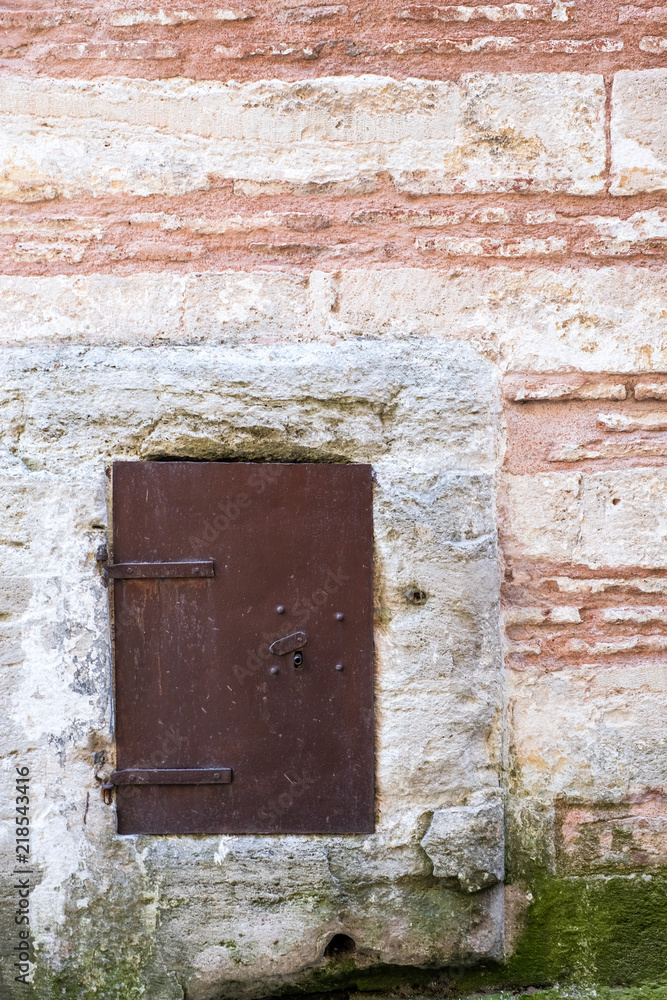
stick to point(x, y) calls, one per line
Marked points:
point(243, 647)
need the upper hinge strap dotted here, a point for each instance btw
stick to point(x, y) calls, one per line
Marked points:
point(161, 570)
point(172, 776)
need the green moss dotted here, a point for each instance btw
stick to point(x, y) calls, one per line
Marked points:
point(112, 980)
point(596, 931)
point(610, 930)
point(657, 992)
point(110, 944)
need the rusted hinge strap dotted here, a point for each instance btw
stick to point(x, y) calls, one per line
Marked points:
point(164, 570)
point(176, 776)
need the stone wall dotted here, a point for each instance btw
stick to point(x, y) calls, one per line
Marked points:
point(441, 230)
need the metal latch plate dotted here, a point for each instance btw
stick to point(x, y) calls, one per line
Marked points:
point(289, 643)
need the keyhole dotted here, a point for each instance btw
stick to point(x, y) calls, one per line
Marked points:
point(298, 658)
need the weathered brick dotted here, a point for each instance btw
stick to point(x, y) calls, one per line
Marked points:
point(299, 221)
point(641, 233)
point(497, 44)
point(642, 15)
point(14, 51)
point(651, 388)
point(481, 246)
point(409, 217)
point(560, 615)
point(505, 12)
point(655, 45)
point(450, 46)
point(295, 50)
point(311, 15)
point(42, 20)
point(138, 49)
point(628, 644)
point(521, 389)
point(59, 250)
point(624, 423)
point(175, 17)
point(571, 46)
point(602, 585)
point(130, 18)
point(639, 616)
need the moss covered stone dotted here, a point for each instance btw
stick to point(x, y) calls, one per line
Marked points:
point(608, 930)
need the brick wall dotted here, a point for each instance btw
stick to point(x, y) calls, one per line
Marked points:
point(481, 187)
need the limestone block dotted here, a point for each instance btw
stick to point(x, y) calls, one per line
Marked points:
point(504, 132)
point(612, 518)
point(466, 845)
point(602, 319)
point(642, 232)
point(608, 319)
point(541, 515)
point(204, 409)
point(149, 307)
point(639, 131)
point(592, 732)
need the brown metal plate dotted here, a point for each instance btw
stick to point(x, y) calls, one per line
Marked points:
point(196, 683)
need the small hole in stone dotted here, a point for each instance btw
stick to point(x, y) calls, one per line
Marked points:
point(339, 946)
point(416, 596)
point(616, 500)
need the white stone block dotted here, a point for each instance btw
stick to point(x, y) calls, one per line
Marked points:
point(543, 320)
point(505, 132)
point(639, 131)
point(596, 519)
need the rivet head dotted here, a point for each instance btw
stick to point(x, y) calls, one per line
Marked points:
point(275, 670)
point(280, 609)
point(339, 666)
point(340, 616)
